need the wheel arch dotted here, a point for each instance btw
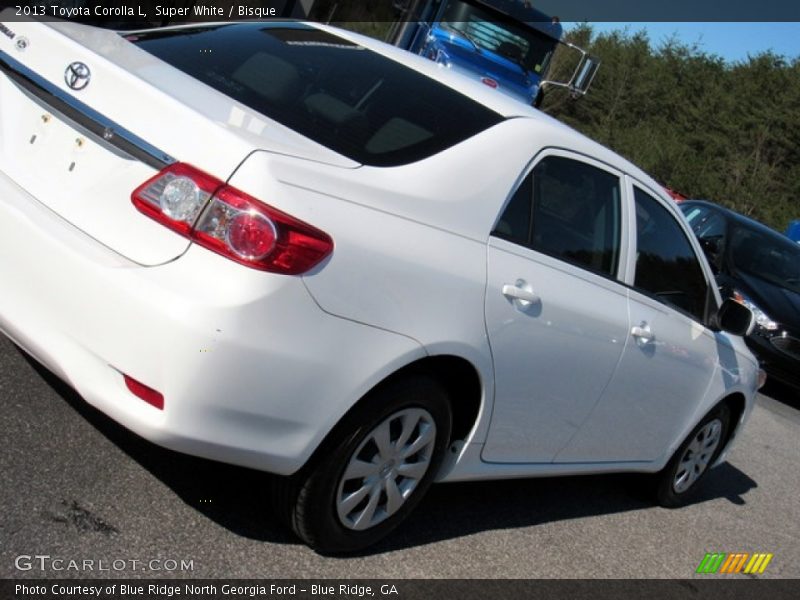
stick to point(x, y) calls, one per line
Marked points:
point(460, 380)
point(737, 404)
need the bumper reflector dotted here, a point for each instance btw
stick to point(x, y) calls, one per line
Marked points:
point(147, 394)
point(762, 378)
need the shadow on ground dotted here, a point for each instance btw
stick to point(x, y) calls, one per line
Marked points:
point(238, 498)
point(782, 393)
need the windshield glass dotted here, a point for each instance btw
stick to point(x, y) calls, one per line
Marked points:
point(358, 103)
point(770, 257)
point(529, 48)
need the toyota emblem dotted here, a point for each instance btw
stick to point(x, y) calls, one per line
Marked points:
point(77, 76)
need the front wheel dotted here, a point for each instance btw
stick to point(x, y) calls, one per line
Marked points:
point(690, 464)
point(374, 468)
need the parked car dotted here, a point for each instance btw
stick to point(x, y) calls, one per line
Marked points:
point(296, 249)
point(759, 268)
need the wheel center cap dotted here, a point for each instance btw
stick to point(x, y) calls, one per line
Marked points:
point(387, 468)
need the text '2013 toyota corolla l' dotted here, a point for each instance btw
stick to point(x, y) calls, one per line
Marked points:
point(300, 250)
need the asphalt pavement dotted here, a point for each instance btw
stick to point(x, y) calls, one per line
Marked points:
point(75, 486)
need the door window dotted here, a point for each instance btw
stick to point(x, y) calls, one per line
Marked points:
point(569, 210)
point(667, 267)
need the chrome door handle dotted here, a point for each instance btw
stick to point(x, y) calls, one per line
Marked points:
point(525, 297)
point(643, 333)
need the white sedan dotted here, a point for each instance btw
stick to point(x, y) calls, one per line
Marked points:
point(296, 249)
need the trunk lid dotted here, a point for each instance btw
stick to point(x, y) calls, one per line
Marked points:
point(52, 133)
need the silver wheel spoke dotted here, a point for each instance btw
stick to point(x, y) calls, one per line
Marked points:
point(383, 440)
point(364, 520)
point(358, 469)
point(413, 470)
point(426, 436)
point(348, 503)
point(408, 428)
point(394, 499)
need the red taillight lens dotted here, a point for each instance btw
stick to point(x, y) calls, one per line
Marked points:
point(230, 222)
point(490, 82)
point(147, 394)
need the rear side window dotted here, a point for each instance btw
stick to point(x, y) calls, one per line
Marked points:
point(666, 265)
point(358, 103)
point(569, 210)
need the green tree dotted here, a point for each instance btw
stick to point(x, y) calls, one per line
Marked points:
point(726, 132)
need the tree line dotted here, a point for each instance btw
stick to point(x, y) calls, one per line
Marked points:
point(728, 133)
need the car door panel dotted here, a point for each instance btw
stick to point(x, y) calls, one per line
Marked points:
point(552, 358)
point(660, 381)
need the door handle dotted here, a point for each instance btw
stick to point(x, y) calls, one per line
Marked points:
point(524, 297)
point(643, 333)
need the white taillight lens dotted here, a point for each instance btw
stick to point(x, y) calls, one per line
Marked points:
point(176, 196)
point(182, 200)
point(230, 222)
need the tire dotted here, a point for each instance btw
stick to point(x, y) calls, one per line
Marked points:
point(678, 481)
point(361, 485)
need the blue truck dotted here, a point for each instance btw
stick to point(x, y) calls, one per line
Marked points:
point(506, 44)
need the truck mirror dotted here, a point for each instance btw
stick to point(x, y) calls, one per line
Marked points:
point(582, 76)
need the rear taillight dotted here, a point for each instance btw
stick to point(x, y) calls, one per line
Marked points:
point(230, 222)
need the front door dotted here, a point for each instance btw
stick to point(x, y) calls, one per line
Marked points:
point(670, 359)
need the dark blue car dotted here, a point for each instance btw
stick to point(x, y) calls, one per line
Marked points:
point(759, 268)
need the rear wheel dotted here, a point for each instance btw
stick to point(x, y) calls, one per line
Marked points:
point(690, 464)
point(374, 468)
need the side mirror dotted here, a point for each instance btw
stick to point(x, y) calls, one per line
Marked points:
point(735, 319)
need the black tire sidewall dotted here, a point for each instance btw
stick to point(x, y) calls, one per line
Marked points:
point(315, 518)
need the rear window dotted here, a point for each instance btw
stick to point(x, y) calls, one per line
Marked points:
point(356, 102)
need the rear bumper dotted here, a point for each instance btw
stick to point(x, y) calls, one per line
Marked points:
point(253, 372)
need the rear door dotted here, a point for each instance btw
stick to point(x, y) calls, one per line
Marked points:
point(556, 315)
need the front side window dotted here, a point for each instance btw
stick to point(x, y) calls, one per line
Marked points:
point(667, 267)
point(569, 210)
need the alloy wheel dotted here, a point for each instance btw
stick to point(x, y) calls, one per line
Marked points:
point(386, 468)
point(698, 454)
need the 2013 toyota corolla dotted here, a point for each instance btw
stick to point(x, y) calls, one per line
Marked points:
point(297, 249)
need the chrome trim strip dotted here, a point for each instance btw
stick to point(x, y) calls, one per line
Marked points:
point(86, 118)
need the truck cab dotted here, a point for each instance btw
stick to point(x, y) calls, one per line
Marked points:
point(506, 44)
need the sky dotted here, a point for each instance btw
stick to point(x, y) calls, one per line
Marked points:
point(732, 41)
